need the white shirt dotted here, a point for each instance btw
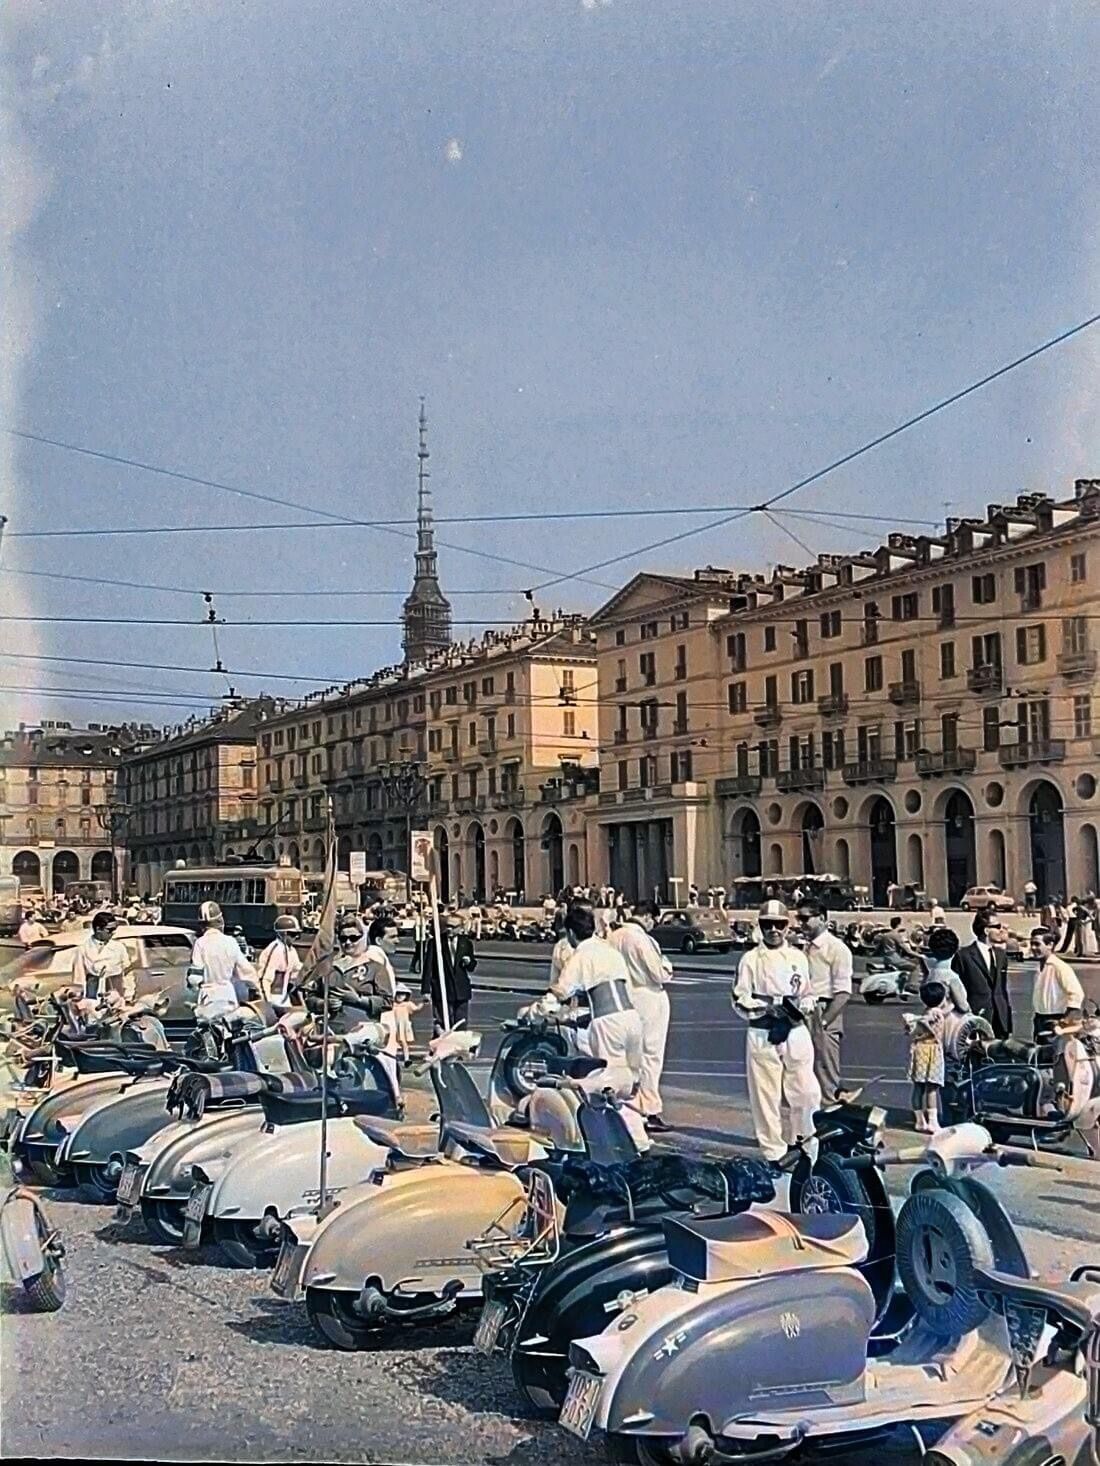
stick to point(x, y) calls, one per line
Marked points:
point(106, 963)
point(956, 988)
point(830, 964)
point(647, 967)
point(563, 950)
point(218, 957)
point(986, 954)
point(769, 973)
point(278, 963)
point(594, 961)
point(1056, 988)
point(939, 916)
point(32, 931)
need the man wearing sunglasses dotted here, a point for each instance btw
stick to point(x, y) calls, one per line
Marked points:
point(772, 993)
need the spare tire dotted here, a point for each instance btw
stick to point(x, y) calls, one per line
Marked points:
point(940, 1242)
point(960, 1030)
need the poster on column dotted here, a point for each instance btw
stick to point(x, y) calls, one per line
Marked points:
point(423, 855)
point(357, 867)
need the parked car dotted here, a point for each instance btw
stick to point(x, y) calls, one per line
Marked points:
point(686, 929)
point(981, 898)
point(161, 955)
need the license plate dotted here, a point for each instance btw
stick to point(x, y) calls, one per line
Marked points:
point(288, 1267)
point(193, 1214)
point(129, 1186)
point(489, 1325)
point(579, 1410)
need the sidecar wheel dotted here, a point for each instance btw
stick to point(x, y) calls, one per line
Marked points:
point(46, 1173)
point(163, 1221)
point(47, 1291)
point(828, 1188)
point(542, 1393)
point(939, 1243)
point(334, 1318)
point(242, 1246)
point(102, 1181)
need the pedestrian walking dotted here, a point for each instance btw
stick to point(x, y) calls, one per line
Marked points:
point(1031, 895)
point(1057, 993)
point(937, 913)
point(772, 993)
point(280, 963)
point(926, 1059)
point(649, 973)
point(459, 961)
point(830, 965)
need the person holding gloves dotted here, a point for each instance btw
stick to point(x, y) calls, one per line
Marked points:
point(772, 993)
point(649, 972)
point(280, 963)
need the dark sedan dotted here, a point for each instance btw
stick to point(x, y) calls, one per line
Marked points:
point(687, 929)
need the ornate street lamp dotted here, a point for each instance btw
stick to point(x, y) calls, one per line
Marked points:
point(403, 783)
point(114, 817)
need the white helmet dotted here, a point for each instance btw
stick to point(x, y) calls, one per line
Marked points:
point(211, 913)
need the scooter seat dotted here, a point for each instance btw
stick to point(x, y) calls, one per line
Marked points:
point(575, 1066)
point(297, 1106)
point(753, 1244)
point(413, 1142)
point(1077, 1304)
point(508, 1148)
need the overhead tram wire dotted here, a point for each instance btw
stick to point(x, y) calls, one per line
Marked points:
point(840, 462)
point(197, 590)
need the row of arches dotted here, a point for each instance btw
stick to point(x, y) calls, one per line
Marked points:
point(1046, 848)
point(477, 866)
point(55, 872)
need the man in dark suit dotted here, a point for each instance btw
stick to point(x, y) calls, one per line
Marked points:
point(983, 968)
point(458, 962)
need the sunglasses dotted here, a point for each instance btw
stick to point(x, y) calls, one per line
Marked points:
point(773, 926)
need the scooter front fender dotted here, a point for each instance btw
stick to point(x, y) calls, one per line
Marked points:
point(411, 1229)
point(22, 1245)
point(281, 1170)
point(117, 1124)
point(209, 1143)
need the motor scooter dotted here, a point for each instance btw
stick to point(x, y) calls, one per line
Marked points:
point(276, 1169)
point(32, 1250)
point(760, 1346)
point(392, 1251)
point(881, 981)
point(531, 1047)
point(610, 1248)
point(1046, 1092)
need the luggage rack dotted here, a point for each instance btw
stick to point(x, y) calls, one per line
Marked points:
point(536, 1240)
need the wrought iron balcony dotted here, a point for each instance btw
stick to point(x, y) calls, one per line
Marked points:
point(987, 678)
point(737, 785)
point(649, 730)
point(789, 781)
point(619, 735)
point(620, 684)
point(679, 726)
point(449, 755)
point(768, 717)
point(906, 693)
point(870, 771)
point(509, 799)
point(1038, 751)
point(487, 747)
point(948, 761)
point(1077, 664)
point(833, 705)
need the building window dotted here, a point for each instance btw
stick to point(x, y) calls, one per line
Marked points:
point(511, 725)
point(32, 793)
point(681, 669)
point(1082, 715)
point(986, 650)
point(906, 607)
point(681, 766)
point(1030, 582)
point(769, 638)
point(681, 713)
point(486, 687)
point(906, 740)
point(943, 604)
point(802, 687)
point(85, 795)
point(947, 659)
point(1077, 568)
point(624, 774)
point(767, 754)
point(1031, 645)
point(620, 636)
point(735, 651)
point(450, 696)
point(832, 748)
point(678, 621)
point(830, 624)
point(647, 665)
point(872, 674)
point(648, 715)
point(738, 695)
point(569, 724)
point(85, 829)
point(771, 691)
point(983, 589)
point(1075, 635)
point(471, 734)
point(649, 630)
point(949, 731)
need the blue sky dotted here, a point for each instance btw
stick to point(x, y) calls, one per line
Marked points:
point(635, 253)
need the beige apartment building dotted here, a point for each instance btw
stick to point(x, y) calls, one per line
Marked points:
point(190, 794)
point(57, 789)
point(511, 758)
point(920, 713)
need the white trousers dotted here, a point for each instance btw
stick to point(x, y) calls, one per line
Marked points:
point(654, 1009)
point(617, 1039)
point(778, 1072)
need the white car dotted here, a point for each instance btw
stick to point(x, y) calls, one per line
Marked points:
point(160, 954)
point(982, 898)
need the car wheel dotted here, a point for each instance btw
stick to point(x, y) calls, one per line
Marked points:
point(102, 1181)
point(690, 945)
point(964, 905)
point(46, 1173)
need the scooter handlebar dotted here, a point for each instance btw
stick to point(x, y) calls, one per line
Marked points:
point(1007, 1157)
point(906, 1155)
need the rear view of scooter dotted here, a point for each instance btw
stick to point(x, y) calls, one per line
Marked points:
point(32, 1249)
point(533, 1044)
point(770, 1322)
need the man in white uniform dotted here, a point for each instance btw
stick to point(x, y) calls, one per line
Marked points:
point(649, 971)
point(779, 1053)
point(1057, 993)
point(280, 963)
point(830, 963)
point(219, 969)
point(102, 964)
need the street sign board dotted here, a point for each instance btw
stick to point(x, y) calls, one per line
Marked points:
point(423, 851)
point(357, 867)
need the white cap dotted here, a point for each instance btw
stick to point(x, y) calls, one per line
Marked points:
point(210, 912)
point(774, 911)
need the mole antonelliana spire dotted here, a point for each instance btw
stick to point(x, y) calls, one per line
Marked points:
point(427, 612)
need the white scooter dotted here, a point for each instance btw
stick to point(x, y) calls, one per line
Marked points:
point(32, 1250)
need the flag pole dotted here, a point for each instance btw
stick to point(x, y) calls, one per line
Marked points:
point(325, 935)
point(441, 976)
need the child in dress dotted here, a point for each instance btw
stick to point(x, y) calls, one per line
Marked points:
point(925, 1072)
point(396, 1024)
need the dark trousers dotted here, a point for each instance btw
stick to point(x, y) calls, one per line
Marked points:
point(417, 956)
point(459, 1011)
point(1042, 1026)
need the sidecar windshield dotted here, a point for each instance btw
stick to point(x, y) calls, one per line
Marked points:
point(460, 1102)
point(606, 1139)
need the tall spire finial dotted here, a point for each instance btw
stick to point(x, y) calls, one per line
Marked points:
point(427, 611)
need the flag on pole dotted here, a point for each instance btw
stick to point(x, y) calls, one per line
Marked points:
point(321, 950)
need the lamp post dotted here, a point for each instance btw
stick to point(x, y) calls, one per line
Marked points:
point(403, 783)
point(113, 817)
